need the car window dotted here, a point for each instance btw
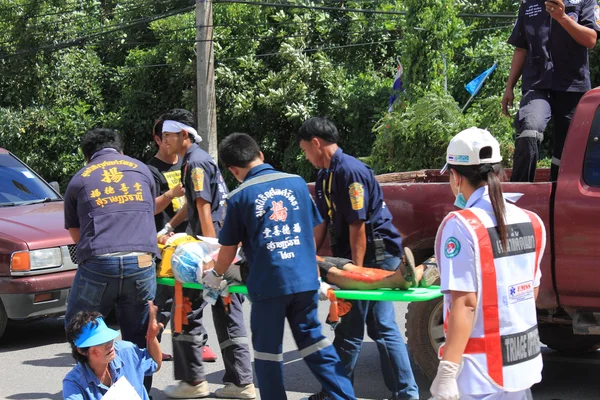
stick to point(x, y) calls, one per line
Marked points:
point(19, 185)
point(591, 164)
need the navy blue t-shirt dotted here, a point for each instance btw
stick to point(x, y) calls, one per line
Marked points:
point(202, 179)
point(355, 195)
point(555, 61)
point(112, 201)
point(274, 220)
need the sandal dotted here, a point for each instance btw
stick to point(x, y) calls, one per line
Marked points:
point(408, 267)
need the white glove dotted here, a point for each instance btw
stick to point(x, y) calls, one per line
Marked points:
point(444, 386)
point(167, 229)
point(212, 279)
point(324, 288)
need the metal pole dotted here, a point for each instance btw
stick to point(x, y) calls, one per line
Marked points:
point(207, 115)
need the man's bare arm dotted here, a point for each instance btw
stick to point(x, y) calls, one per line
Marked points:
point(205, 215)
point(75, 234)
point(358, 241)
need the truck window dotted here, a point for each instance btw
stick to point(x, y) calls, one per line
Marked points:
point(19, 185)
point(591, 163)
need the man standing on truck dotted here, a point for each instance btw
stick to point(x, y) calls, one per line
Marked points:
point(551, 40)
point(360, 228)
point(205, 193)
point(109, 212)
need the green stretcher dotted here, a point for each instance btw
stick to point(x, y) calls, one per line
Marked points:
point(417, 294)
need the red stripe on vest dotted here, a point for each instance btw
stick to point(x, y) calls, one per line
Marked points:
point(537, 232)
point(489, 300)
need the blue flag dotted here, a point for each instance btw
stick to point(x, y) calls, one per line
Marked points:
point(476, 84)
point(396, 87)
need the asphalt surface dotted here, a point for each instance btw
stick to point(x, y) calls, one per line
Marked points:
point(34, 358)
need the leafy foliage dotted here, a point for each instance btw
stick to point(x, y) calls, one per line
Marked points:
point(71, 65)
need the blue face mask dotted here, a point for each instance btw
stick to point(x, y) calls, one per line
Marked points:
point(460, 201)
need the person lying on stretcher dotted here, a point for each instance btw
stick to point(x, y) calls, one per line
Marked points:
point(344, 274)
point(340, 272)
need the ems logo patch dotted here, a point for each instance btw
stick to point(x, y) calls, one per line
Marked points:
point(198, 179)
point(597, 15)
point(520, 292)
point(452, 247)
point(357, 196)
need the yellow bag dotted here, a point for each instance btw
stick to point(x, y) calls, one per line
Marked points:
point(165, 270)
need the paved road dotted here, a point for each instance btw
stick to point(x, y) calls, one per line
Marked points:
point(34, 358)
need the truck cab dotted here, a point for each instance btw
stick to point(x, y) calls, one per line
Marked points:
point(37, 255)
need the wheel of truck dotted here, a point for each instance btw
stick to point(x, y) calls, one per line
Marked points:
point(3, 319)
point(425, 333)
point(561, 338)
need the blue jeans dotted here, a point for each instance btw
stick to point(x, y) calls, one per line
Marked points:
point(380, 318)
point(102, 283)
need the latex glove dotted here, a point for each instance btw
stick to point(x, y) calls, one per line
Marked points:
point(444, 385)
point(323, 288)
point(212, 279)
point(167, 229)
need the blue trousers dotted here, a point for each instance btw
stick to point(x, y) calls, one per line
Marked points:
point(268, 320)
point(102, 283)
point(380, 318)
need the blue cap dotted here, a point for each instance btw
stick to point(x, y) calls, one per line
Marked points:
point(94, 333)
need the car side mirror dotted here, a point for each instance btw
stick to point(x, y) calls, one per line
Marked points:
point(55, 186)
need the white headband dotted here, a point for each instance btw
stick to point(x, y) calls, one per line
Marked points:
point(175, 126)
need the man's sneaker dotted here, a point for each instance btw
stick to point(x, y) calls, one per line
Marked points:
point(322, 395)
point(431, 275)
point(184, 390)
point(208, 355)
point(232, 391)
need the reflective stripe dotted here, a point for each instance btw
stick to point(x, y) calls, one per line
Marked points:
point(307, 351)
point(234, 342)
point(489, 296)
point(182, 337)
point(261, 179)
point(258, 355)
point(556, 161)
point(528, 134)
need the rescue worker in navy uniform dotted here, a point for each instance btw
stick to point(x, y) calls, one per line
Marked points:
point(272, 214)
point(551, 40)
point(205, 193)
point(489, 255)
point(360, 228)
point(109, 212)
point(170, 204)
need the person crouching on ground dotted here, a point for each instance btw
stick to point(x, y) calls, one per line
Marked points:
point(101, 361)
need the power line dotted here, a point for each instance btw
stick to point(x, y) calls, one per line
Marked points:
point(355, 10)
point(308, 50)
point(80, 40)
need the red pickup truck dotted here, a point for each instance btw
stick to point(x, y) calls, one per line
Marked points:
point(37, 263)
point(569, 298)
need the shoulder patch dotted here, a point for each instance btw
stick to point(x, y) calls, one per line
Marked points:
point(198, 179)
point(357, 196)
point(452, 247)
point(597, 14)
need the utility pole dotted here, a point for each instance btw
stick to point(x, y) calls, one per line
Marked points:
point(207, 115)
